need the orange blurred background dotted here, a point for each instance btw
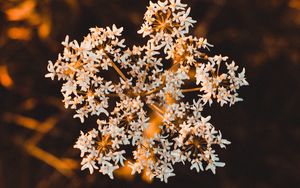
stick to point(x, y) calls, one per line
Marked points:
point(37, 133)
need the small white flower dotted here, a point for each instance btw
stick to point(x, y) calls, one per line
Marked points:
point(197, 164)
point(51, 70)
point(108, 169)
point(89, 163)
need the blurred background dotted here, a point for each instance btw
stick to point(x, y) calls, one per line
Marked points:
point(37, 133)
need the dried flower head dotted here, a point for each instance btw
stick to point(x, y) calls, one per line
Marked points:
point(153, 78)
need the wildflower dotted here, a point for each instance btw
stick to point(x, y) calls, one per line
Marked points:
point(153, 78)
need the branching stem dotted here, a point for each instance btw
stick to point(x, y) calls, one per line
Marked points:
point(191, 90)
point(118, 70)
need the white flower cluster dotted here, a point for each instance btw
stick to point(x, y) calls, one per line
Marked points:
point(153, 79)
point(222, 87)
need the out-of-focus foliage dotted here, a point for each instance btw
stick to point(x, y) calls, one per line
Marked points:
point(37, 135)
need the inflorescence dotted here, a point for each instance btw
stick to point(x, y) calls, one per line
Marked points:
point(155, 78)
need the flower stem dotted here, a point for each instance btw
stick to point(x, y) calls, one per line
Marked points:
point(118, 70)
point(152, 91)
point(191, 90)
point(157, 110)
point(112, 95)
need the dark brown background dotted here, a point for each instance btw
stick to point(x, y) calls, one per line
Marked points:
point(261, 35)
